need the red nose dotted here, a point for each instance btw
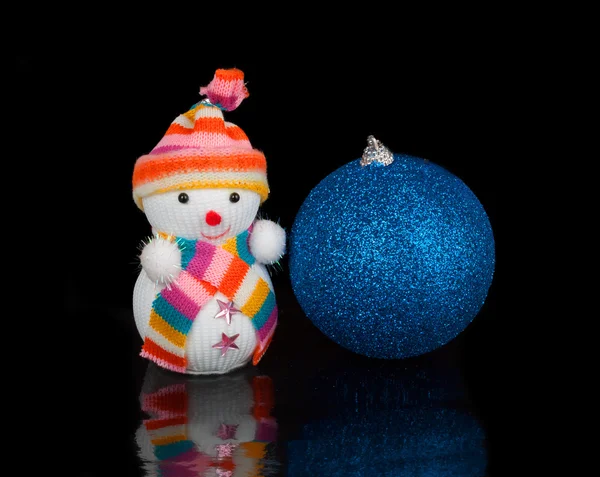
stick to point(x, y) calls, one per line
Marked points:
point(212, 218)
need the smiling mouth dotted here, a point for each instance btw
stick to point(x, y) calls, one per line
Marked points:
point(215, 237)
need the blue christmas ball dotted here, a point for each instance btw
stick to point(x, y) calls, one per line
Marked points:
point(391, 261)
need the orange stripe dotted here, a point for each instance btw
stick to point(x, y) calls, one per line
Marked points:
point(233, 277)
point(224, 463)
point(254, 449)
point(210, 125)
point(229, 74)
point(152, 348)
point(209, 287)
point(175, 128)
point(200, 125)
point(154, 424)
point(161, 166)
point(258, 353)
point(235, 132)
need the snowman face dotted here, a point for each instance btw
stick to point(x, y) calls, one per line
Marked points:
point(210, 215)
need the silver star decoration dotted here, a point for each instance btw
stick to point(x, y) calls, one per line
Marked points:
point(227, 309)
point(376, 152)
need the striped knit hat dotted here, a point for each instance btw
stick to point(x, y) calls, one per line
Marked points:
point(201, 150)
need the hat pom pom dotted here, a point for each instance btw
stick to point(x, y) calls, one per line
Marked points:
point(227, 89)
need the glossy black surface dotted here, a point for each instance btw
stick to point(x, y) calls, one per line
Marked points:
point(439, 412)
point(310, 113)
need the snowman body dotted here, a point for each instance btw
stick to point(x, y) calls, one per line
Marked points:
point(212, 216)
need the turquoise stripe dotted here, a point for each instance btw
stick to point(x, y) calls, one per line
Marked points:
point(166, 311)
point(188, 249)
point(168, 451)
point(265, 311)
point(242, 248)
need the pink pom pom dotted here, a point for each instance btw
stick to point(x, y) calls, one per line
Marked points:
point(227, 89)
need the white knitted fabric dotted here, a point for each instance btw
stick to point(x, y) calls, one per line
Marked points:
point(167, 214)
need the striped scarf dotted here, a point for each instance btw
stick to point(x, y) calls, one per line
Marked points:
point(206, 269)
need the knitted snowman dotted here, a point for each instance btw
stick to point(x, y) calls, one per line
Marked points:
point(204, 302)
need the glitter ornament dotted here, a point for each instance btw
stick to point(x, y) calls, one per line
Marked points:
point(391, 258)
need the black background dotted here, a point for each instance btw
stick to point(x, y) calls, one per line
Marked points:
point(314, 98)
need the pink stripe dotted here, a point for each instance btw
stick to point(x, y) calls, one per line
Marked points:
point(162, 362)
point(193, 288)
point(229, 103)
point(218, 267)
point(268, 327)
point(201, 261)
point(181, 302)
point(199, 139)
point(163, 149)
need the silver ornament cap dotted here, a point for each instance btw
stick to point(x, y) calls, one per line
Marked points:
point(376, 152)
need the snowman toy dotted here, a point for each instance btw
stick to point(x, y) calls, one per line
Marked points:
point(204, 302)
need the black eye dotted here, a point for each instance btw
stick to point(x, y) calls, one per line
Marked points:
point(234, 197)
point(183, 198)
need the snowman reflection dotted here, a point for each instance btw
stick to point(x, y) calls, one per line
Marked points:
point(217, 426)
